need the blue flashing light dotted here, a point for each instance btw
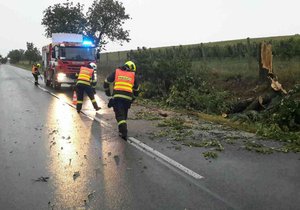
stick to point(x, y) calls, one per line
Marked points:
point(87, 43)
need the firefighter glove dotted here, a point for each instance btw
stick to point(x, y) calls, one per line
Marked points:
point(111, 103)
point(107, 93)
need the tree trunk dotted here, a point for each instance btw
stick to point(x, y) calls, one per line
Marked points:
point(265, 61)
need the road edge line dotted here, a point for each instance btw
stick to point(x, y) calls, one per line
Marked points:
point(165, 158)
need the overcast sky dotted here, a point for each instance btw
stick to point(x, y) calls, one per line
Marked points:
point(158, 23)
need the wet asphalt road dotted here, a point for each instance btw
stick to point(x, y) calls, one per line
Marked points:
point(87, 166)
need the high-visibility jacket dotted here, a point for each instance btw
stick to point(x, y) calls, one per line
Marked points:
point(121, 90)
point(123, 85)
point(86, 75)
point(34, 69)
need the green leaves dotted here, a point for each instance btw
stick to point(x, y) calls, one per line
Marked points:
point(64, 18)
point(32, 54)
point(15, 55)
point(105, 19)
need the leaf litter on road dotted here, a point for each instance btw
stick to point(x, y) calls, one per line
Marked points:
point(76, 175)
point(117, 159)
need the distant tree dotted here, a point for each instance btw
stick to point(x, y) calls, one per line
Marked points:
point(3, 60)
point(16, 55)
point(64, 18)
point(32, 54)
point(105, 19)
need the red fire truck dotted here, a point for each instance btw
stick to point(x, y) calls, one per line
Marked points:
point(64, 56)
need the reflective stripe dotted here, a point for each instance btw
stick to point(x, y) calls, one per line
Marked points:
point(123, 88)
point(85, 74)
point(84, 77)
point(94, 100)
point(121, 122)
point(122, 96)
point(83, 82)
point(124, 83)
point(79, 102)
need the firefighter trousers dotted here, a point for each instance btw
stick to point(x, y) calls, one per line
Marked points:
point(36, 82)
point(80, 90)
point(121, 107)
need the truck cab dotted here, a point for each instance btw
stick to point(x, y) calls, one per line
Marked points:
point(62, 60)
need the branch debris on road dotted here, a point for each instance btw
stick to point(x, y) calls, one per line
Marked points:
point(41, 179)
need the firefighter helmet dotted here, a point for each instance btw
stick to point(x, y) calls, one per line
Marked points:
point(130, 65)
point(92, 65)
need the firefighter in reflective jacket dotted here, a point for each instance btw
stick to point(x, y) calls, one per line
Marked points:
point(125, 90)
point(35, 72)
point(86, 82)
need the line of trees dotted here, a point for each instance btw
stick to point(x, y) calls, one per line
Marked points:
point(286, 49)
point(3, 59)
point(31, 54)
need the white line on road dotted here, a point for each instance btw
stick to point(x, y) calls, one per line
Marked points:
point(164, 158)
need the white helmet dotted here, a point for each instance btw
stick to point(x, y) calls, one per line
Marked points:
point(92, 65)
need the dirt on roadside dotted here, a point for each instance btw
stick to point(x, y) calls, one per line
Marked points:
point(185, 130)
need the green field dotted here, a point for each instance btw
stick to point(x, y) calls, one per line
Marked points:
point(288, 70)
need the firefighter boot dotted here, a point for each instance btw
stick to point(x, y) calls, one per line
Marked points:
point(123, 131)
point(96, 107)
point(78, 107)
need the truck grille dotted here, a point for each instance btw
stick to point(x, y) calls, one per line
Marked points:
point(74, 68)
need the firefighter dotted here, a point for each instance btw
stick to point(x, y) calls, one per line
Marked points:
point(85, 80)
point(125, 90)
point(35, 72)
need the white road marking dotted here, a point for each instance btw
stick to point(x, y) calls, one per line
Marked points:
point(170, 161)
point(136, 143)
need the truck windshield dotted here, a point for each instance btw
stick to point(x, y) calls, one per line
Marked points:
point(77, 53)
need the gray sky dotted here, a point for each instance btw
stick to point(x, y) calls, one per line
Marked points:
point(157, 23)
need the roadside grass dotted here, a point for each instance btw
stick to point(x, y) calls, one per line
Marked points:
point(24, 65)
point(288, 71)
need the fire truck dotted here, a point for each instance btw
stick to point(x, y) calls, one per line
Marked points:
point(64, 56)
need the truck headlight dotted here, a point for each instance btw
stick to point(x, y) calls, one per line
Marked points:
point(61, 76)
